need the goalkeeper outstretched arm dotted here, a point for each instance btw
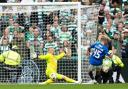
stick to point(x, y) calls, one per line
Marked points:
point(43, 57)
point(51, 52)
point(61, 55)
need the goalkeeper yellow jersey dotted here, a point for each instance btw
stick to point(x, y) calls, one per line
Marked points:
point(51, 60)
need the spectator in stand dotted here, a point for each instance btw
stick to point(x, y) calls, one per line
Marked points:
point(116, 45)
point(55, 29)
point(50, 44)
point(117, 3)
point(19, 40)
point(116, 36)
point(119, 18)
point(65, 35)
point(109, 30)
point(125, 14)
point(114, 11)
point(101, 16)
point(125, 44)
point(107, 18)
point(48, 27)
point(91, 24)
point(15, 27)
point(11, 22)
point(4, 24)
point(29, 34)
point(9, 29)
point(47, 32)
point(35, 43)
point(120, 28)
point(4, 44)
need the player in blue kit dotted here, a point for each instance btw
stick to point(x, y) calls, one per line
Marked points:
point(99, 52)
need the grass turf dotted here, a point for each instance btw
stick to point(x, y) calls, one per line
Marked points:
point(64, 86)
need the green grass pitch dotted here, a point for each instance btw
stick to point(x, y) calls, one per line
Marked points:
point(64, 86)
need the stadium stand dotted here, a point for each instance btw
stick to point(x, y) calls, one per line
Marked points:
point(37, 31)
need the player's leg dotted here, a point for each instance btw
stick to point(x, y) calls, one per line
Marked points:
point(98, 73)
point(118, 70)
point(110, 76)
point(51, 76)
point(98, 76)
point(103, 77)
point(91, 67)
point(48, 81)
point(67, 79)
point(97, 69)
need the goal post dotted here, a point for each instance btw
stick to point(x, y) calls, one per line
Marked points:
point(88, 36)
point(20, 21)
point(79, 42)
point(35, 27)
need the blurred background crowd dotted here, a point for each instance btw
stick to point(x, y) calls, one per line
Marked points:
point(37, 31)
point(113, 22)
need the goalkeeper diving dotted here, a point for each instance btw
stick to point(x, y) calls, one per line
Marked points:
point(51, 70)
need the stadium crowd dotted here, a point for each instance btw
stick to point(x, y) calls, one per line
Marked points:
point(35, 32)
point(113, 21)
point(38, 31)
point(112, 27)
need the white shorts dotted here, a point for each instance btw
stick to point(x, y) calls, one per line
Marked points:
point(93, 67)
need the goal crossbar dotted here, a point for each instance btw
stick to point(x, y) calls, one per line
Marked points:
point(38, 4)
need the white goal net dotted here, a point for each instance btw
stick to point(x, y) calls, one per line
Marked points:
point(89, 34)
point(35, 28)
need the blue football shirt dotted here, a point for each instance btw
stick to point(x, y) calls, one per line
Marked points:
point(98, 54)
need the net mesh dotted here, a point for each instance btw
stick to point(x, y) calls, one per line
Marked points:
point(35, 29)
point(88, 36)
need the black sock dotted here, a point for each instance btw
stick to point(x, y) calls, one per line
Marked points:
point(118, 73)
point(91, 75)
point(98, 76)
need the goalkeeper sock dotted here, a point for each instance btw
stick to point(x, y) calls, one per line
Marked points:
point(69, 80)
point(48, 81)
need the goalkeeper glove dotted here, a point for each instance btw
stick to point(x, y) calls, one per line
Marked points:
point(33, 55)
